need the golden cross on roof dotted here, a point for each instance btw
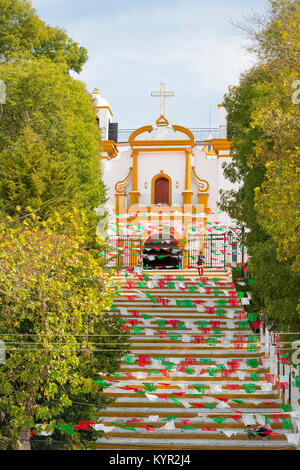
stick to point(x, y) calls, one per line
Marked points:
point(162, 94)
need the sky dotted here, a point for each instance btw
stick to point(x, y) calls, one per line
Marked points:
point(133, 45)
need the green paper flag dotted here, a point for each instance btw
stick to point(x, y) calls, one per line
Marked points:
point(255, 376)
point(220, 312)
point(209, 405)
point(243, 324)
point(202, 324)
point(218, 419)
point(252, 316)
point(200, 388)
point(204, 360)
point(149, 386)
point(297, 382)
point(252, 338)
point(212, 341)
point(137, 330)
point(285, 407)
point(287, 424)
point(176, 401)
point(188, 303)
point(128, 428)
point(174, 336)
point(253, 363)
point(67, 428)
point(170, 285)
point(217, 333)
point(168, 365)
point(129, 359)
point(212, 371)
point(221, 303)
point(249, 388)
point(102, 383)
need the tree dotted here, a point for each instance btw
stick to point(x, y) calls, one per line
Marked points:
point(21, 30)
point(50, 137)
point(264, 131)
point(53, 299)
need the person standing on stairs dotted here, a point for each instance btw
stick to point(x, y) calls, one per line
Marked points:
point(200, 262)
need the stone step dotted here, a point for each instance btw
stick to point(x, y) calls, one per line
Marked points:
point(128, 404)
point(209, 443)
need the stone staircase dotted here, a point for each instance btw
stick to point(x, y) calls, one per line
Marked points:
point(185, 375)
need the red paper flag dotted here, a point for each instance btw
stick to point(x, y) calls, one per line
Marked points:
point(233, 386)
point(199, 339)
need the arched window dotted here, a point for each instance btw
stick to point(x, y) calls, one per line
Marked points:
point(161, 191)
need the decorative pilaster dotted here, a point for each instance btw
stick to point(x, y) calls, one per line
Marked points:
point(134, 195)
point(188, 193)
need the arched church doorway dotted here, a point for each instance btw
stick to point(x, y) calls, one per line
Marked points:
point(161, 251)
point(161, 191)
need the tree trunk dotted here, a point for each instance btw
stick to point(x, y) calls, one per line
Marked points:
point(25, 439)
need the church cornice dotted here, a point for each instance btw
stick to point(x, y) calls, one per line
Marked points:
point(134, 134)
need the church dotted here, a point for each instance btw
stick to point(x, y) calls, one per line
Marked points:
point(163, 183)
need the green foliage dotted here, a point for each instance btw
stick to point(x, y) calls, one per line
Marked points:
point(264, 131)
point(22, 31)
point(54, 297)
point(49, 142)
point(277, 285)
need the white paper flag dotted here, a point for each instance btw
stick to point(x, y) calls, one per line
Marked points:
point(214, 388)
point(241, 374)
point(169, 425)
point(222, 404)
point(102, 427)
point(293, 439)
point(149, 332)
point(153, 418)
point(260, 419)
point(186, 338)
point(266, 387)
point(248, 419)
point(151, 396)
point(228, 432)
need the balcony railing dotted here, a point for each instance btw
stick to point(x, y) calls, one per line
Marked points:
point(200, 134)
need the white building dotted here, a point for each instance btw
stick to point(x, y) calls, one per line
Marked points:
point(163, 185)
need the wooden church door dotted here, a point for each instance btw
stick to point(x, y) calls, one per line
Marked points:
point(161, 191)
